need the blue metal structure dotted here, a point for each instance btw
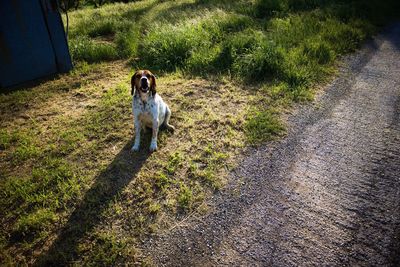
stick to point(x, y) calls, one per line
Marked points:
point(32, 41)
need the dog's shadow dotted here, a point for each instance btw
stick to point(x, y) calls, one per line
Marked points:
point(87, 214)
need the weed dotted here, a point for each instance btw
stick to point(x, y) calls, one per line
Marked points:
point(263, 125)
point(204, 61)
point(162, 181)
point(127, 43)
point(192, 45)
point(174, 161)
point(26, 146)
point(295, 5)
point(5, 139)
point(154, 208)
point(350, 37)
point(82, 68)
point(35, 221)
point(69, 141)
point(94, 23)
point(185, 197)
point(260, 64)
point(83, 48)
point(319, 51)
point(108, 250)
point(267, 8)
point(207, 175)
point(168, 47)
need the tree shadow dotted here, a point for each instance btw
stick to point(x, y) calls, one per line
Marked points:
point(88, 214)
point(139, 12)
point(28, 85)
point(393, 34)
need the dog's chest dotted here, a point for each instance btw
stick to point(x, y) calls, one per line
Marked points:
point(140, 106)
point(144, 110)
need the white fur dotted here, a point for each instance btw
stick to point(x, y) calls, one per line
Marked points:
point(151, 111)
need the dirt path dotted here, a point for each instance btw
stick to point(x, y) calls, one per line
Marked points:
point(328, 194)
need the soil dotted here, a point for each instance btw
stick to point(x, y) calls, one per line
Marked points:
point(328, 194)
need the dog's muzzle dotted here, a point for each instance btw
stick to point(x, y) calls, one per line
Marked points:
point(144, 84)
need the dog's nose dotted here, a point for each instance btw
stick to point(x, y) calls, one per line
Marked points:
point(144, 83)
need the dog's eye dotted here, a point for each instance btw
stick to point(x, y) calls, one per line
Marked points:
point(138, 76)
point(148, 76)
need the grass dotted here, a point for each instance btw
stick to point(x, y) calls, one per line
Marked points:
point(263, 125)
point(72, 193)
point(85, 49)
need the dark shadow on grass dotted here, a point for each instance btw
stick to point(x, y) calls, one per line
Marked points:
point(88, 213)
point(27, 85)
point(394, 37)
point(139, 12)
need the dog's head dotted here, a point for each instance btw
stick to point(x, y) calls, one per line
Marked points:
point(144, 81)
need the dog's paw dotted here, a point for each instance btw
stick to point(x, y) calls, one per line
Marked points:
point(170, 128)
point(135, 148)
point(153, 147)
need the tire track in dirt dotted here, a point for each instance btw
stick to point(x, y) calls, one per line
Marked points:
point(328, 194)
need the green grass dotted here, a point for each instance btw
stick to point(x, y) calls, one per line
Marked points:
point(263, 125)
point(210, 43)
point(109, 250)
point(35, 221)
point(279, 41)
point(74, 166)
point(85, 49)
point(185, 196)
point(228, 69)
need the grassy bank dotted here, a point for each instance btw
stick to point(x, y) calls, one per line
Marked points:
point(72, 192)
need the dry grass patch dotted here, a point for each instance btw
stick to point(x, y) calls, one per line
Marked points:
point(68, 173)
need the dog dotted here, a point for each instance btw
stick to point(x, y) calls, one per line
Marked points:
point(149, 110)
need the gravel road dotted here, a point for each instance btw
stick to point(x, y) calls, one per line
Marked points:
point(326, 195)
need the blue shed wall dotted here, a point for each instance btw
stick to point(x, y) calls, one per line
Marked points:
point(32, 41)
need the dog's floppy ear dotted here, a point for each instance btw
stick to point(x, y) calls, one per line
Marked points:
point(153, 84)
point(133, 87)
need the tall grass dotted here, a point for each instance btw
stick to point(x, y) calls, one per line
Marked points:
point(108, 33)
point(85, 49)
point(187, 35)
point(291, 43)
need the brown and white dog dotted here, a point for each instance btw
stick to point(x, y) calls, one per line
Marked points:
point(149, 110)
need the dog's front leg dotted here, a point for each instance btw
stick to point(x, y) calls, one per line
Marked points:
point(153, 144)
point(138, 127)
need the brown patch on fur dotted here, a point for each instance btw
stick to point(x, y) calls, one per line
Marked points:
point(153, 84)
